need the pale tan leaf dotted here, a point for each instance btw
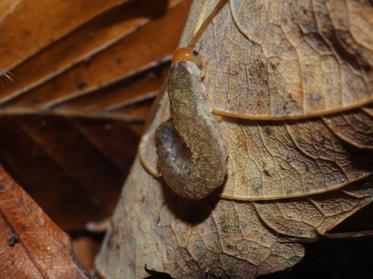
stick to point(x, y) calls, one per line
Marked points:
point(289, 59)
point(289, 179)
point(274, 161)
point(354, 127)
point(220, 238)
point(314, 216)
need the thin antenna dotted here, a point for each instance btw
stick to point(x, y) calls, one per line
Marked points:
point(7, 75)
point(207, 21)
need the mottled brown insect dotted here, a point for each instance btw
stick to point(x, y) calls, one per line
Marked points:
point(192, 155)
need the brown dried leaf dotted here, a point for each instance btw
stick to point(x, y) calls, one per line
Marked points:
point(31, 245)
point(81, 44)
point(18, 26)
point(74, 169)
point(86, 249)
point(283, 160)
point(288, 180)
point(122, 59)
point(354, 127)
point(84, 86)
point(289, 59)
point(99, 67)
point(7, 6)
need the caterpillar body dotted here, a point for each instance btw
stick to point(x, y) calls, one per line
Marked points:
point(192, 155)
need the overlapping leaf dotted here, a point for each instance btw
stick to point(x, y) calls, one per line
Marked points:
point(268, 67)
point(25, 28)
point(74, 74)
point(31, 245)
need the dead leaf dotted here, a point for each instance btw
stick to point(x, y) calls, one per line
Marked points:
point(86, 249)
point(87, 67)
point(32, 246)
point(67, 183)
point(80, 45)
point(299, 60)
point(20, 20)
point(292, 80)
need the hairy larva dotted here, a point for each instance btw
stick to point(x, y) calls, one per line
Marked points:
point(192, 155)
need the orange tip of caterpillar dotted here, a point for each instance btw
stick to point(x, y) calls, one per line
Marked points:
point(185, 54)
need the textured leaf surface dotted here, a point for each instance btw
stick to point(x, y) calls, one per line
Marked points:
point(82, 43)
point(74, 169)
point(31, 245)
point(274, 160)
point(75, 82)
point(289, 58)
point(22, 18)
point(69, 71)
point(119, 60)
point(288, 180)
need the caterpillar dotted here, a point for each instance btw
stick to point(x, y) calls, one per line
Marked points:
point(192, 155)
